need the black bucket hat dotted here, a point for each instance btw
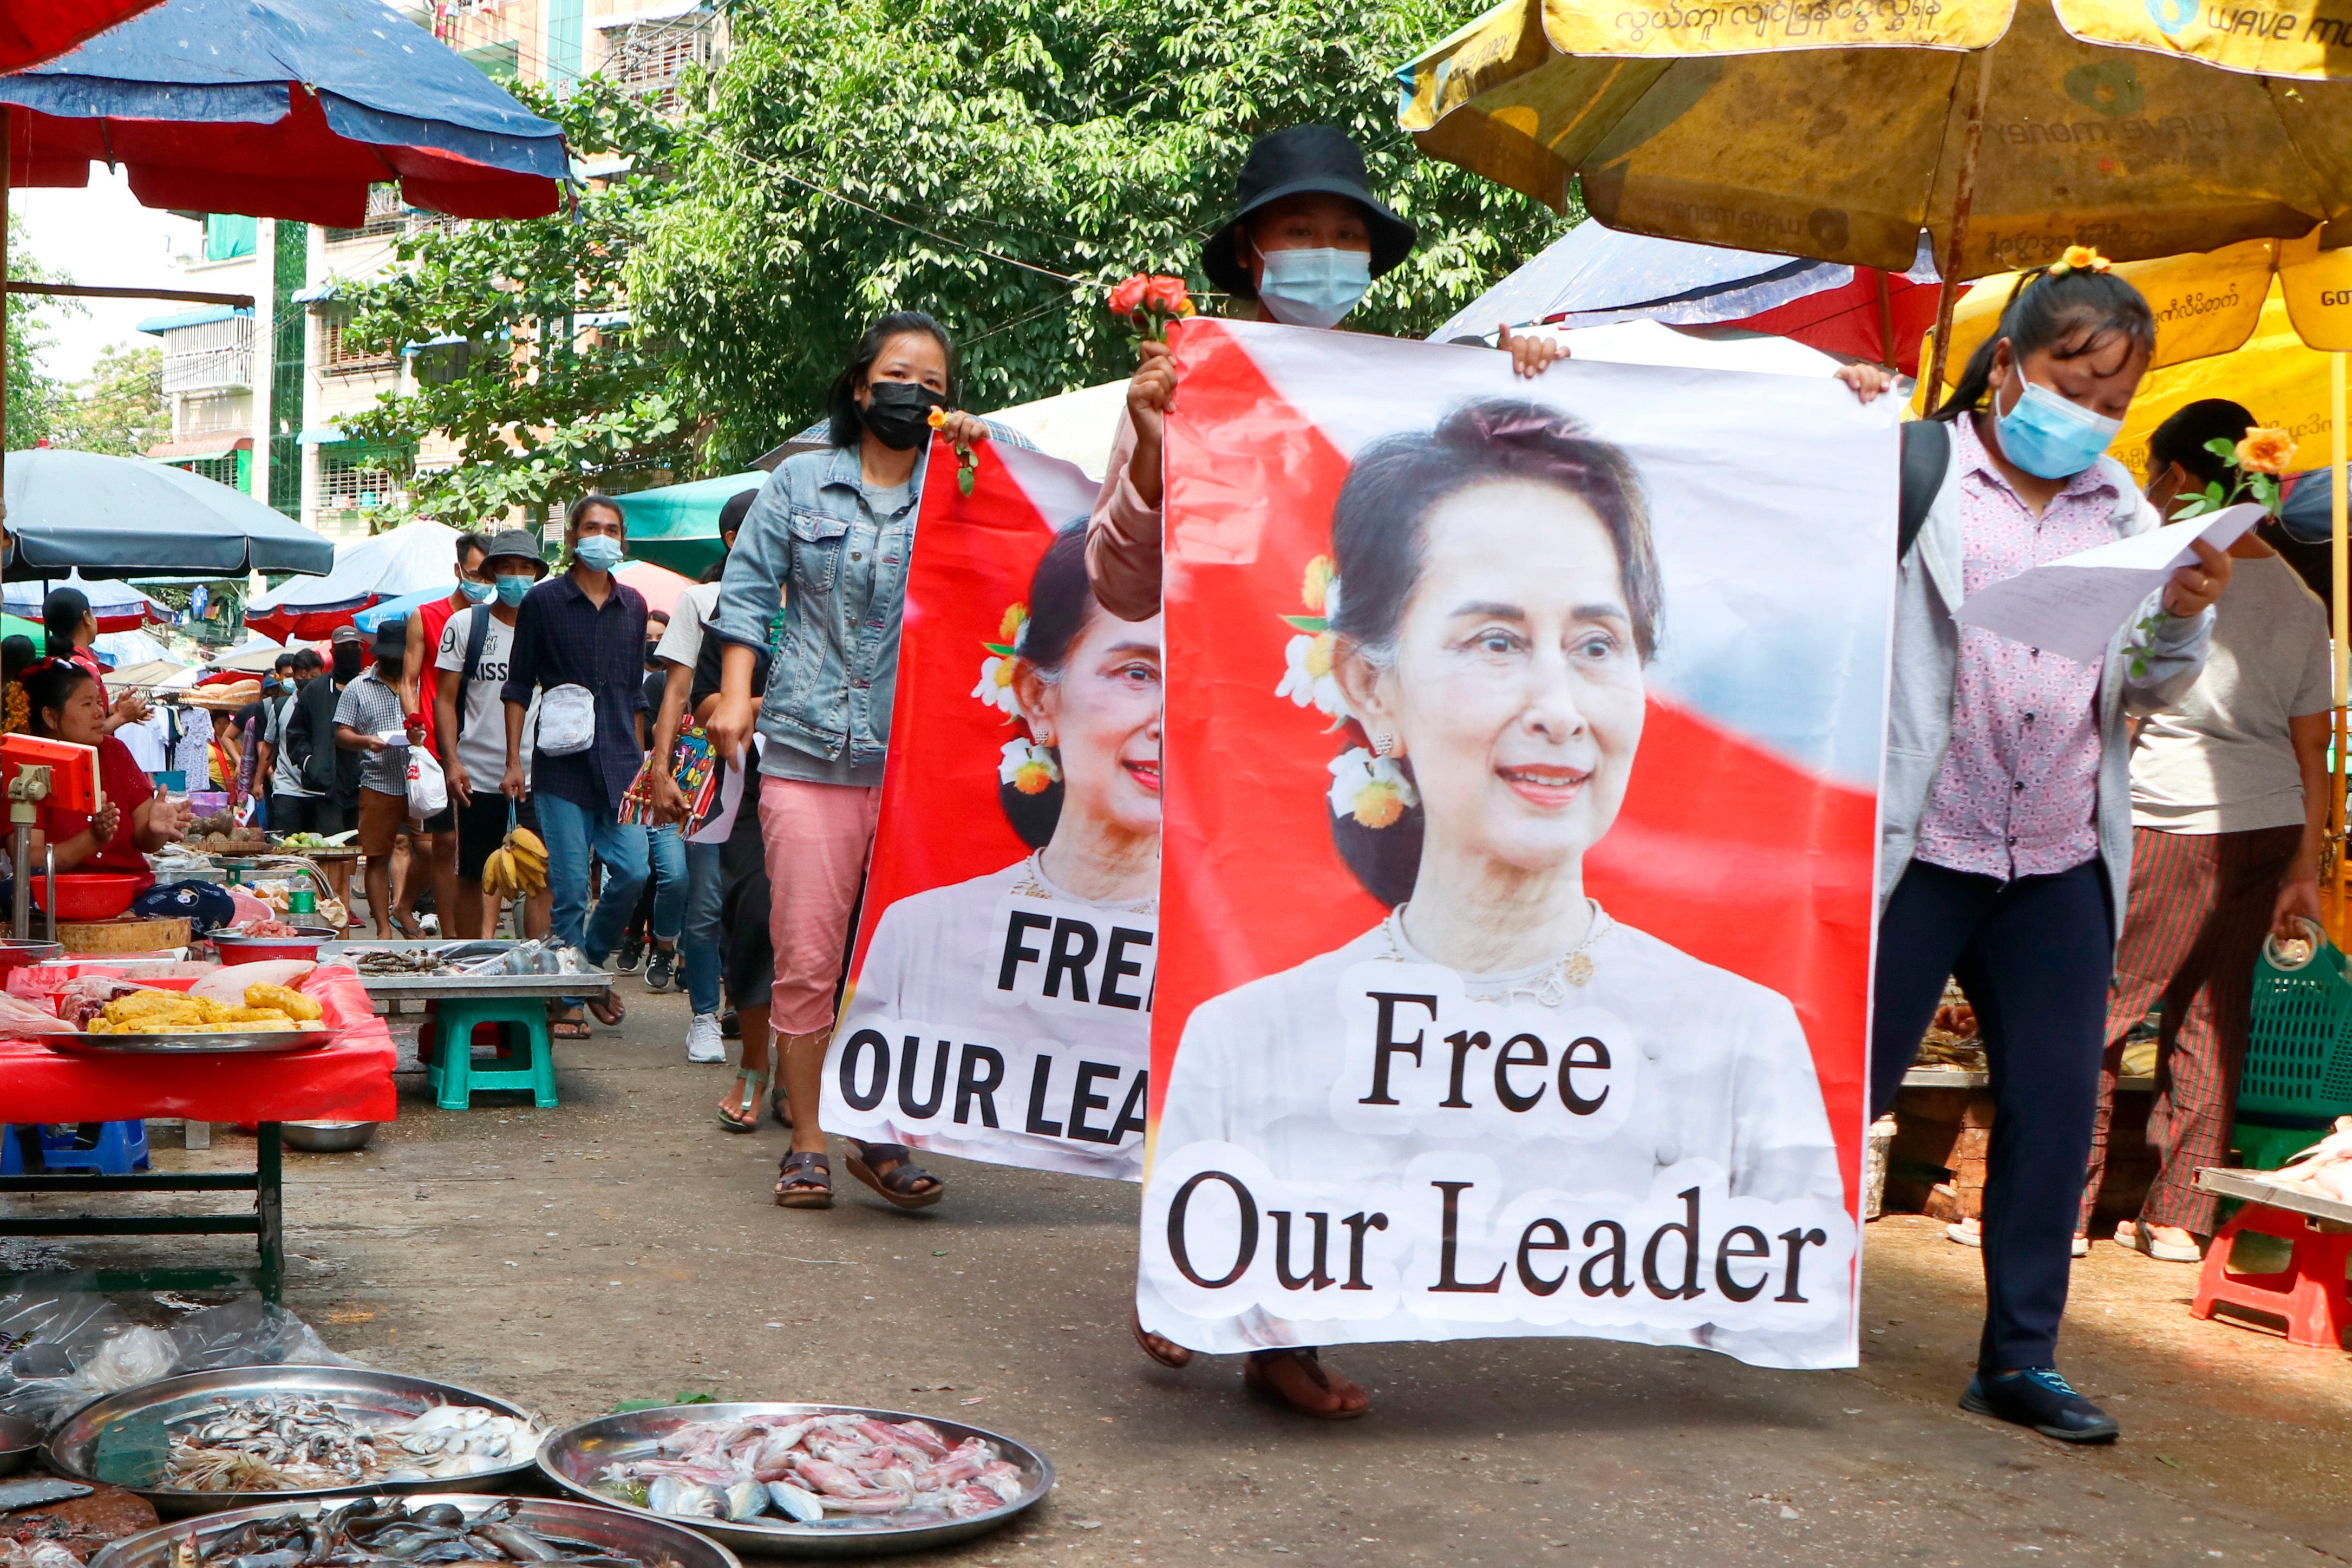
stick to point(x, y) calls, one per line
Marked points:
point(1286, 163)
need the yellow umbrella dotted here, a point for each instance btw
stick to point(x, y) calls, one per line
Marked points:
point(2007, 129)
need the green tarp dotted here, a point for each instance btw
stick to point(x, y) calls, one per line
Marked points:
point(677, 526)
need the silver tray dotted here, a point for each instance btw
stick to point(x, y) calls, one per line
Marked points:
point(625, 1534)
point(259, 1043)
point(571, 1456)
point(72, 1447)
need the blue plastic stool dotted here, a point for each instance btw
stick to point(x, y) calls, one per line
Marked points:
point(121, 1149)
point(520, 1026)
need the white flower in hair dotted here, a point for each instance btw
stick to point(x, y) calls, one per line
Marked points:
point(1307, 677)
point(995, 687)
point(1028, 768)
point(1373, 790)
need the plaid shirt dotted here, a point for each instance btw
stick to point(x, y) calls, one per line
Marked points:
point(372, 707)
point(562, 638)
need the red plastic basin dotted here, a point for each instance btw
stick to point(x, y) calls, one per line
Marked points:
point(87, 894)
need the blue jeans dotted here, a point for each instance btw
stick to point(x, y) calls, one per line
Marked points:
point(706, 883)
point(665, 848)
point(573, 832)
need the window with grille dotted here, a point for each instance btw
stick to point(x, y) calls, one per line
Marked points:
point(221, 469)
point(340, 355)
point(351, 478)
point(645, 58)
point(385, 213)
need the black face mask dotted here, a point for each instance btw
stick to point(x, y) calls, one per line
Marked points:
point(653, 659)
point(347, 661)
point(900, 413)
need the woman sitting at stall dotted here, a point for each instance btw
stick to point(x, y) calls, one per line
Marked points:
point(62, 703)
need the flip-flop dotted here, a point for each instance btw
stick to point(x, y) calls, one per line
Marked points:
point(903, 1174)
point(743, 1117)
point(1253, 1378)
point(805, 1181)
point(1182, 1357)
point(568, 1029)
point(620, 1013)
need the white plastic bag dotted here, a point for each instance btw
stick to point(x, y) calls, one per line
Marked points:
point(428, 788)
point(567, 720)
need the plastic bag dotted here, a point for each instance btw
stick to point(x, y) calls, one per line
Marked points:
point(249, 1331)
point(134, 1356)
point(428, 788)
point(567, 720)
point(61, 1350)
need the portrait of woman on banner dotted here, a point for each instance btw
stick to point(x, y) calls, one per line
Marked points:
point(1480, 635)
point(1054, 955)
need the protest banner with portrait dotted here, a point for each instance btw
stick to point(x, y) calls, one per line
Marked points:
point(1523, 744)
point(1000, 998)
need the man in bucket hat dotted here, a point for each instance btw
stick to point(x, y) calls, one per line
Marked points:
point(1306, 240)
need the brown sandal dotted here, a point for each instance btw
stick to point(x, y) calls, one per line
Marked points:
point(1176, 1358)
point(805, 1181)
point(898, 1183)
point(1254, 1379)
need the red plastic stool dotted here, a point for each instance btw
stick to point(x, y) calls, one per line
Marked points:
point(2309, 1293)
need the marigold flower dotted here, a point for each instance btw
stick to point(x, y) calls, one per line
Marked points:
point(2265, 451)
point(1317, 583)
point(1009, 627)
point(1378, 804)
point(1032, 778)
point(937, 418)
point(1319, 655)
point(2081, 258)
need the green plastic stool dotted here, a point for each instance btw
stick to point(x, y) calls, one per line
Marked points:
point(523, 1041)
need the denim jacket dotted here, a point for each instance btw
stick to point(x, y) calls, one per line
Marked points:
point(820, 581)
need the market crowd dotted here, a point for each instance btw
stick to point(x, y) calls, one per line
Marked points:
point(2075, 843)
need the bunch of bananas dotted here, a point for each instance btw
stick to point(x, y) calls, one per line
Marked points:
point(518, 868)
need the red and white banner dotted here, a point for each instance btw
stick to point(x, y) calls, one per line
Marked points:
point(1523, 748)
point(1000, 1005)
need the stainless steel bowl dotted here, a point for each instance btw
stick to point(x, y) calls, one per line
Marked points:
point(623, 1534)
point(574, 1457)
point(131, 1425)
point(19, 1441)
point(327, 1137)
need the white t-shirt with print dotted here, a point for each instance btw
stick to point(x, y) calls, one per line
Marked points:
point(482, 727)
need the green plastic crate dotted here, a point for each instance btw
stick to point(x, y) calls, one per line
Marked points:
point(2298, 1072)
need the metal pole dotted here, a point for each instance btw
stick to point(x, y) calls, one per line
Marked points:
point(7, 170)
point(2340, 568)
point(1964, 195)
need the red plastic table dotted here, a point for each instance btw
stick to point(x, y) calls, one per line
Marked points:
point(349, 1080)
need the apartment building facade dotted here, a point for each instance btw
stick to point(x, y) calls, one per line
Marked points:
point(259, 394)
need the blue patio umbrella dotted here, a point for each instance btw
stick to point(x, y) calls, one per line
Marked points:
point(120, 517)
point(284, 109)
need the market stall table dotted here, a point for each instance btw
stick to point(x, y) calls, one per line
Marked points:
point(2309, 1292)
point(348, 1080)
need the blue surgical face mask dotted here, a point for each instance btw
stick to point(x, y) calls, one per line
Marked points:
point(2050, 437)
point(1313, 287)
point(598, 551)
point(512, 587)
point(476, 593)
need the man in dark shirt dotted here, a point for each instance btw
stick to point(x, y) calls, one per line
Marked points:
point(580, 641)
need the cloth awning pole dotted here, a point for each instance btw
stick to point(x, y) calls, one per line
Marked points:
point(1964, 195)
point(2341, 569)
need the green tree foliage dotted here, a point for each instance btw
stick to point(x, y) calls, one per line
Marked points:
point(540, 404)
point(1091, 138)
point(33, 393)
point(121, 409)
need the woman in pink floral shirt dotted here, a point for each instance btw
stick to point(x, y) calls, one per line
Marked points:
point(2006, 808)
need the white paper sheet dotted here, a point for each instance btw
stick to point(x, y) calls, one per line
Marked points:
point(2074, 605)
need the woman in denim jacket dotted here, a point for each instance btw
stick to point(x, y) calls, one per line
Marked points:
point(818, 577)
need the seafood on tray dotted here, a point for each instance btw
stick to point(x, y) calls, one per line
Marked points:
point(383, 1532)
point(290, 1442)
point(2326, 1168)
point(804, 1469)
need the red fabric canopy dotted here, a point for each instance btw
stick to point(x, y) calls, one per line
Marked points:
point(1846, 320)
point(307, 623)
point(32, 31)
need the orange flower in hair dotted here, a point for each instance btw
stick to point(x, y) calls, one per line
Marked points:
point(2265, 451)
point(2080, 258)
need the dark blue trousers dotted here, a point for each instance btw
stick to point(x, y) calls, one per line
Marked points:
point(2035, 956)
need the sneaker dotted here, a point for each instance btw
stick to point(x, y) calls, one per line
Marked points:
point(702, 1041)
point(2038, 1397)
point(661, 968)
point(730, 1027)
point(625, 962)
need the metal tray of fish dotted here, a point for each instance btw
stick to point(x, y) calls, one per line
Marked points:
point(254, 1043)
point(575, 1456)
point(124, 1438)
point(651, 1541)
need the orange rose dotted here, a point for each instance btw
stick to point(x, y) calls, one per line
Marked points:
point(1167, 295)
point(1129, 297)
point(2265, 451)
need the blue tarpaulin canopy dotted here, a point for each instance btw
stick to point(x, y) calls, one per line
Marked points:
point(285, 108)
point(122, 517)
